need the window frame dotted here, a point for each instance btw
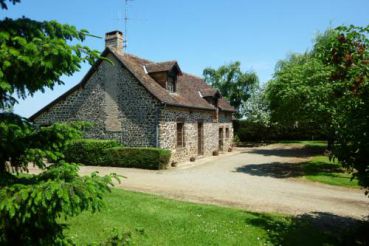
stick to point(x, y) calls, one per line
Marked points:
point(180, 133)
point(171, 84)
point(227, 133)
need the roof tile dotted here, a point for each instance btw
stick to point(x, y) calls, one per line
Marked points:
point(187, 89)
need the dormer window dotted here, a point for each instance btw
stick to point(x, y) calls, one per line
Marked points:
point(165, 74)
point(171, 84)
point(211, 96)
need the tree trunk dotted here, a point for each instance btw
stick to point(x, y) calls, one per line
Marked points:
point(330, 140)
point(2, 168)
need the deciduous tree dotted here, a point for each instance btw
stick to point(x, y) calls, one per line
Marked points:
point(232, 83)
point(329, 86)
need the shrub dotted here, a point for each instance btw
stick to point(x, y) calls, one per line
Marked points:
point(148, 158)
point(88, 151)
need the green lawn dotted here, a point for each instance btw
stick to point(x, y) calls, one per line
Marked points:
point(153, 220)
point(315, 146)
point(308, 143)
point(321, 169)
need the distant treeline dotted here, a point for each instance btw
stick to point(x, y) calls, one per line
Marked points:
point(249, 131)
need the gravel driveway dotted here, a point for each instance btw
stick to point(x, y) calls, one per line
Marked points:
point(239, 179)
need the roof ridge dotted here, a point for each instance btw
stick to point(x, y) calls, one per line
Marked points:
point(167, 61)
point(146, 60)
point(193, 75)
point(136, 57)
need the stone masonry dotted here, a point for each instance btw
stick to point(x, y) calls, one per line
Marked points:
point(191, 118)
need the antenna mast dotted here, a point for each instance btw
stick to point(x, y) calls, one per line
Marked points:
point(126, 19)
point(125, 36)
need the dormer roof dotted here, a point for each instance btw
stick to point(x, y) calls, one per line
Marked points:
point(163, 67)
point(210, 92)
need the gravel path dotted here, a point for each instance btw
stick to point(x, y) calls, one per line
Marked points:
point(246, 179)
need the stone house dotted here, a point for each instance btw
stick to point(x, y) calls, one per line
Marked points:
point(144, 103)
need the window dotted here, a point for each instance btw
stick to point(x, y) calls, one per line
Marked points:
point(180, 135)
point(171, 86)
point(227, 132)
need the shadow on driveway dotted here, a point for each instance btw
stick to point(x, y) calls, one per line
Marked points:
point(289, 170)
point(313, 229)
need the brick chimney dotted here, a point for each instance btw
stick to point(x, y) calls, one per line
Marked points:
point(114, 40)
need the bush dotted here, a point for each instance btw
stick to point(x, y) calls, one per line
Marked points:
point(147, 158)
point(88, 151)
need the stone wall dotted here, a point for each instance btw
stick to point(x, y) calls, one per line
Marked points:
point(117, 104)
point(168, 132)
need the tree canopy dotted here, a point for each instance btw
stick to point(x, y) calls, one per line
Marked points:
point(329, 86)
point(33, 56)
point(299, 92)
point(233, 84)
point(4, 4)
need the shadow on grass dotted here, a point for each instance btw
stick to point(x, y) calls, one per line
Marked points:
point(290, 152)
point(313, 229)
point(289, 170)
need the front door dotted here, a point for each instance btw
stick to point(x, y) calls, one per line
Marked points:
point(221, 139)
point(200, 138)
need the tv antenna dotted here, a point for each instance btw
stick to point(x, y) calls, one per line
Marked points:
point(126, 19)
point(125, 35)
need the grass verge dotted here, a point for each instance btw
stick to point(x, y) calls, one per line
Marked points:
point(321, 169)
point(153, 220)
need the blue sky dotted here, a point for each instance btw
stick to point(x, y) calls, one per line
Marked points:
point(197, 34)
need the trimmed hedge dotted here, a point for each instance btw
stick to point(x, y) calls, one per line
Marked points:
point(88, 151)
point(96, 152)
point(147, 158)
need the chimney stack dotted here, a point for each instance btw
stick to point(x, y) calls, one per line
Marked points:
point(114, 40)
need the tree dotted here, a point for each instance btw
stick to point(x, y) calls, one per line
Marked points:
point(33, 56)
point(299, 93)
point(256, 108)
point(329, 86)
point(347, 54)
point(232, 83)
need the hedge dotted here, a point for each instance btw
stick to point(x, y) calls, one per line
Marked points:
point(147, 158)
point(95, 152)
point(88, 151)
point(248, 131)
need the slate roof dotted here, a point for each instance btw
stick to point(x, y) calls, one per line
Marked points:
point(188, 87)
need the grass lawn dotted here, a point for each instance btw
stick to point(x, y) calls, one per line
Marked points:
point(154, 220)
point(308, 143)
point(321, 169)
point(315, 146)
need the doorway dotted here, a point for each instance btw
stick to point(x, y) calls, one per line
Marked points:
point(221, 137)
point(200, 138)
